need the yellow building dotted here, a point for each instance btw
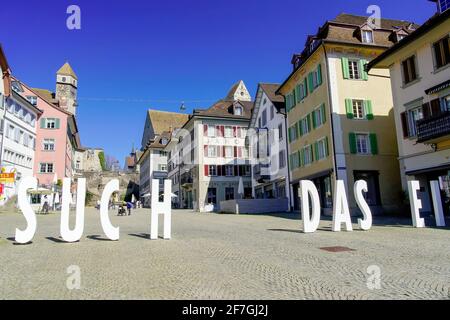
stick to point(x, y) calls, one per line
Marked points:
point(340, 118)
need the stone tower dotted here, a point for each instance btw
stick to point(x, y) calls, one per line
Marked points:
point(66, 88)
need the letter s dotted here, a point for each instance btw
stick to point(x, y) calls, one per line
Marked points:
point(24, 205)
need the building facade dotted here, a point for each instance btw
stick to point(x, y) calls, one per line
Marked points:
point(340, 118)
point(270, 175)
point(419, 67)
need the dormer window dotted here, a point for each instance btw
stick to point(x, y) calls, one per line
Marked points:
point(63, 79)
point(16, 86)
point(367, 36)
point(238, 111)
point(400, 36)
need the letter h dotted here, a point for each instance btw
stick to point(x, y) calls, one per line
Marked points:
point(163, 207)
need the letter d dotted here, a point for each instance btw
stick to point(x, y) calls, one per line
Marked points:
point(24, 205)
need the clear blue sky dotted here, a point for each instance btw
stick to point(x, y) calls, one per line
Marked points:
point(139, 54)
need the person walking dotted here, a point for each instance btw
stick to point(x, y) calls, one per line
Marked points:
point(129, 206)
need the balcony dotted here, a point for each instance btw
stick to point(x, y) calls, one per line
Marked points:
point(262, 173)
point(434, 130)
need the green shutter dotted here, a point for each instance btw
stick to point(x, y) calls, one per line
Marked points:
point(294, 98)
point(300, 127)
point(345, 69)
point(373, 143)
point(349, 108)
point(56, 123)
point(319, 75)
point(299, 133)
point(352, 141)
point(316, 151)
point(364, 74)
point(310, 82)
point(305, 88)
point(324, 116)
point(289, 135)
point(327, 150)
point(42, 123)
point(308, 119)
point(302, 157)
point(314, 119)
point(368, 109)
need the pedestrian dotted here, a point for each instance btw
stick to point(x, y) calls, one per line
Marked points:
point(45, 207)
point(129, 206)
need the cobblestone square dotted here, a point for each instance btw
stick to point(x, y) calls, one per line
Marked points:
point(216, 256)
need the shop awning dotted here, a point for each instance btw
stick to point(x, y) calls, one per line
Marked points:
point(426, 170)
point(439, 87)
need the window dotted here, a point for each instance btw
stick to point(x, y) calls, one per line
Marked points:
point(246, 172)
point(272, 112)
point(413, 116)
point(228, 152)
point(238, 111)
point(446, 103)
point(319, 116)
point(162, 167)
point(26, 140)
point(211, 131)
point(32, 143)
point(362, 143)
point(10, 132)
point(17, 135)
point(50, 123)
point(229, 193)
point(280, 131)
point(228, 132)
point(322, 149)
point(212, 151)
point(46, 168)
point(354, 72)
point(282, 159)
point(264, 117)
point(32, 100)
point(211, 195)
point(409, 70)
point(212, 170)
point(441, 52)
point(307, 155)
point(49, 145)
point(229, 171)
point(305, 125)
point(358, 109)
point(367, 36)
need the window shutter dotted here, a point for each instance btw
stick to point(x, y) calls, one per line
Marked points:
point(42, 123)
point(315, 155)
point(205, 149)
point(404, 120)
point(349, 108)
point(205, 129)
point(352, 141)
point(235, 151)
point(373, 143)
point(206, 170)
point(240, 152)
point(345, 69)
point(308, 119)
point(327, 150)
point(236, 170)
point(218, 151)
point(368, 109)
point(362, 65)
point(222, 131)
point(314, 119)
point(234, 132)
point(302, 157)
point(300, 128)
point(435, 107)
point(324, 116)
point(319, 75)
point(223, 151)
point(299, 160)
point(289, 135)
point(219, 170)
point(310, 82)
point(218, 131)
point(305, 88)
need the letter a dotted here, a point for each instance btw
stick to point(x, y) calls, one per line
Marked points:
point(24, 205)
point(161, 207)
point(67, 234)
point(341, 213)
point(110, 231)
point(310, 223)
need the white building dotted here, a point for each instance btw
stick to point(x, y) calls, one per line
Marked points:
point(18, 139)
point(419, 66)
point(270, 177)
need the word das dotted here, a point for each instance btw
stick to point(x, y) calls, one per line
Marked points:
point(25, 236)
point(341, 212)
point(416, 203)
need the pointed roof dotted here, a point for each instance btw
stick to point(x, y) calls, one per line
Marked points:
point(67, 70)
point(233, 94)
point(166, 121)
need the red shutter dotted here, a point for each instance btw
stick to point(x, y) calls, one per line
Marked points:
point(235, 151)
point(404, 124)
point(205, 149)
point(206, 170)
point(205, 129)
point(234, 132)
point(217, 131)
point(222, 130)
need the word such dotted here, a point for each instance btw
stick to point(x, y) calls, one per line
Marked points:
point(25, 236)
point(341, 212)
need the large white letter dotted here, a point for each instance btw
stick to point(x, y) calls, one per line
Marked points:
point(161, 207)
point(24, 205)
point(77, 232)
point(110, 231)
point(437, 203)
point(358, 188)
point(416, 204)
point(310, 223)
point(341, 213)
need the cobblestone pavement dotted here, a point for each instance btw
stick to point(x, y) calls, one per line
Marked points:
point(214, 256)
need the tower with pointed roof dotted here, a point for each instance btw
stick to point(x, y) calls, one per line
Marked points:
point(239, 92)
point(66, 88)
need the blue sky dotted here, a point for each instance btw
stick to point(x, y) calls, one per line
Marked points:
point(139, 54)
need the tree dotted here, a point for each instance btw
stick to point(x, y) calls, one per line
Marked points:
point(101, 157)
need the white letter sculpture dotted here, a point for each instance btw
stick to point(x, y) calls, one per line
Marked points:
point(416, 204)
point(110, 231)
point(75, 234)
point(161, 208)
point(437, 203)
point(310, 223)
point(358, 188)
point(341, 212)
point(24, 205)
